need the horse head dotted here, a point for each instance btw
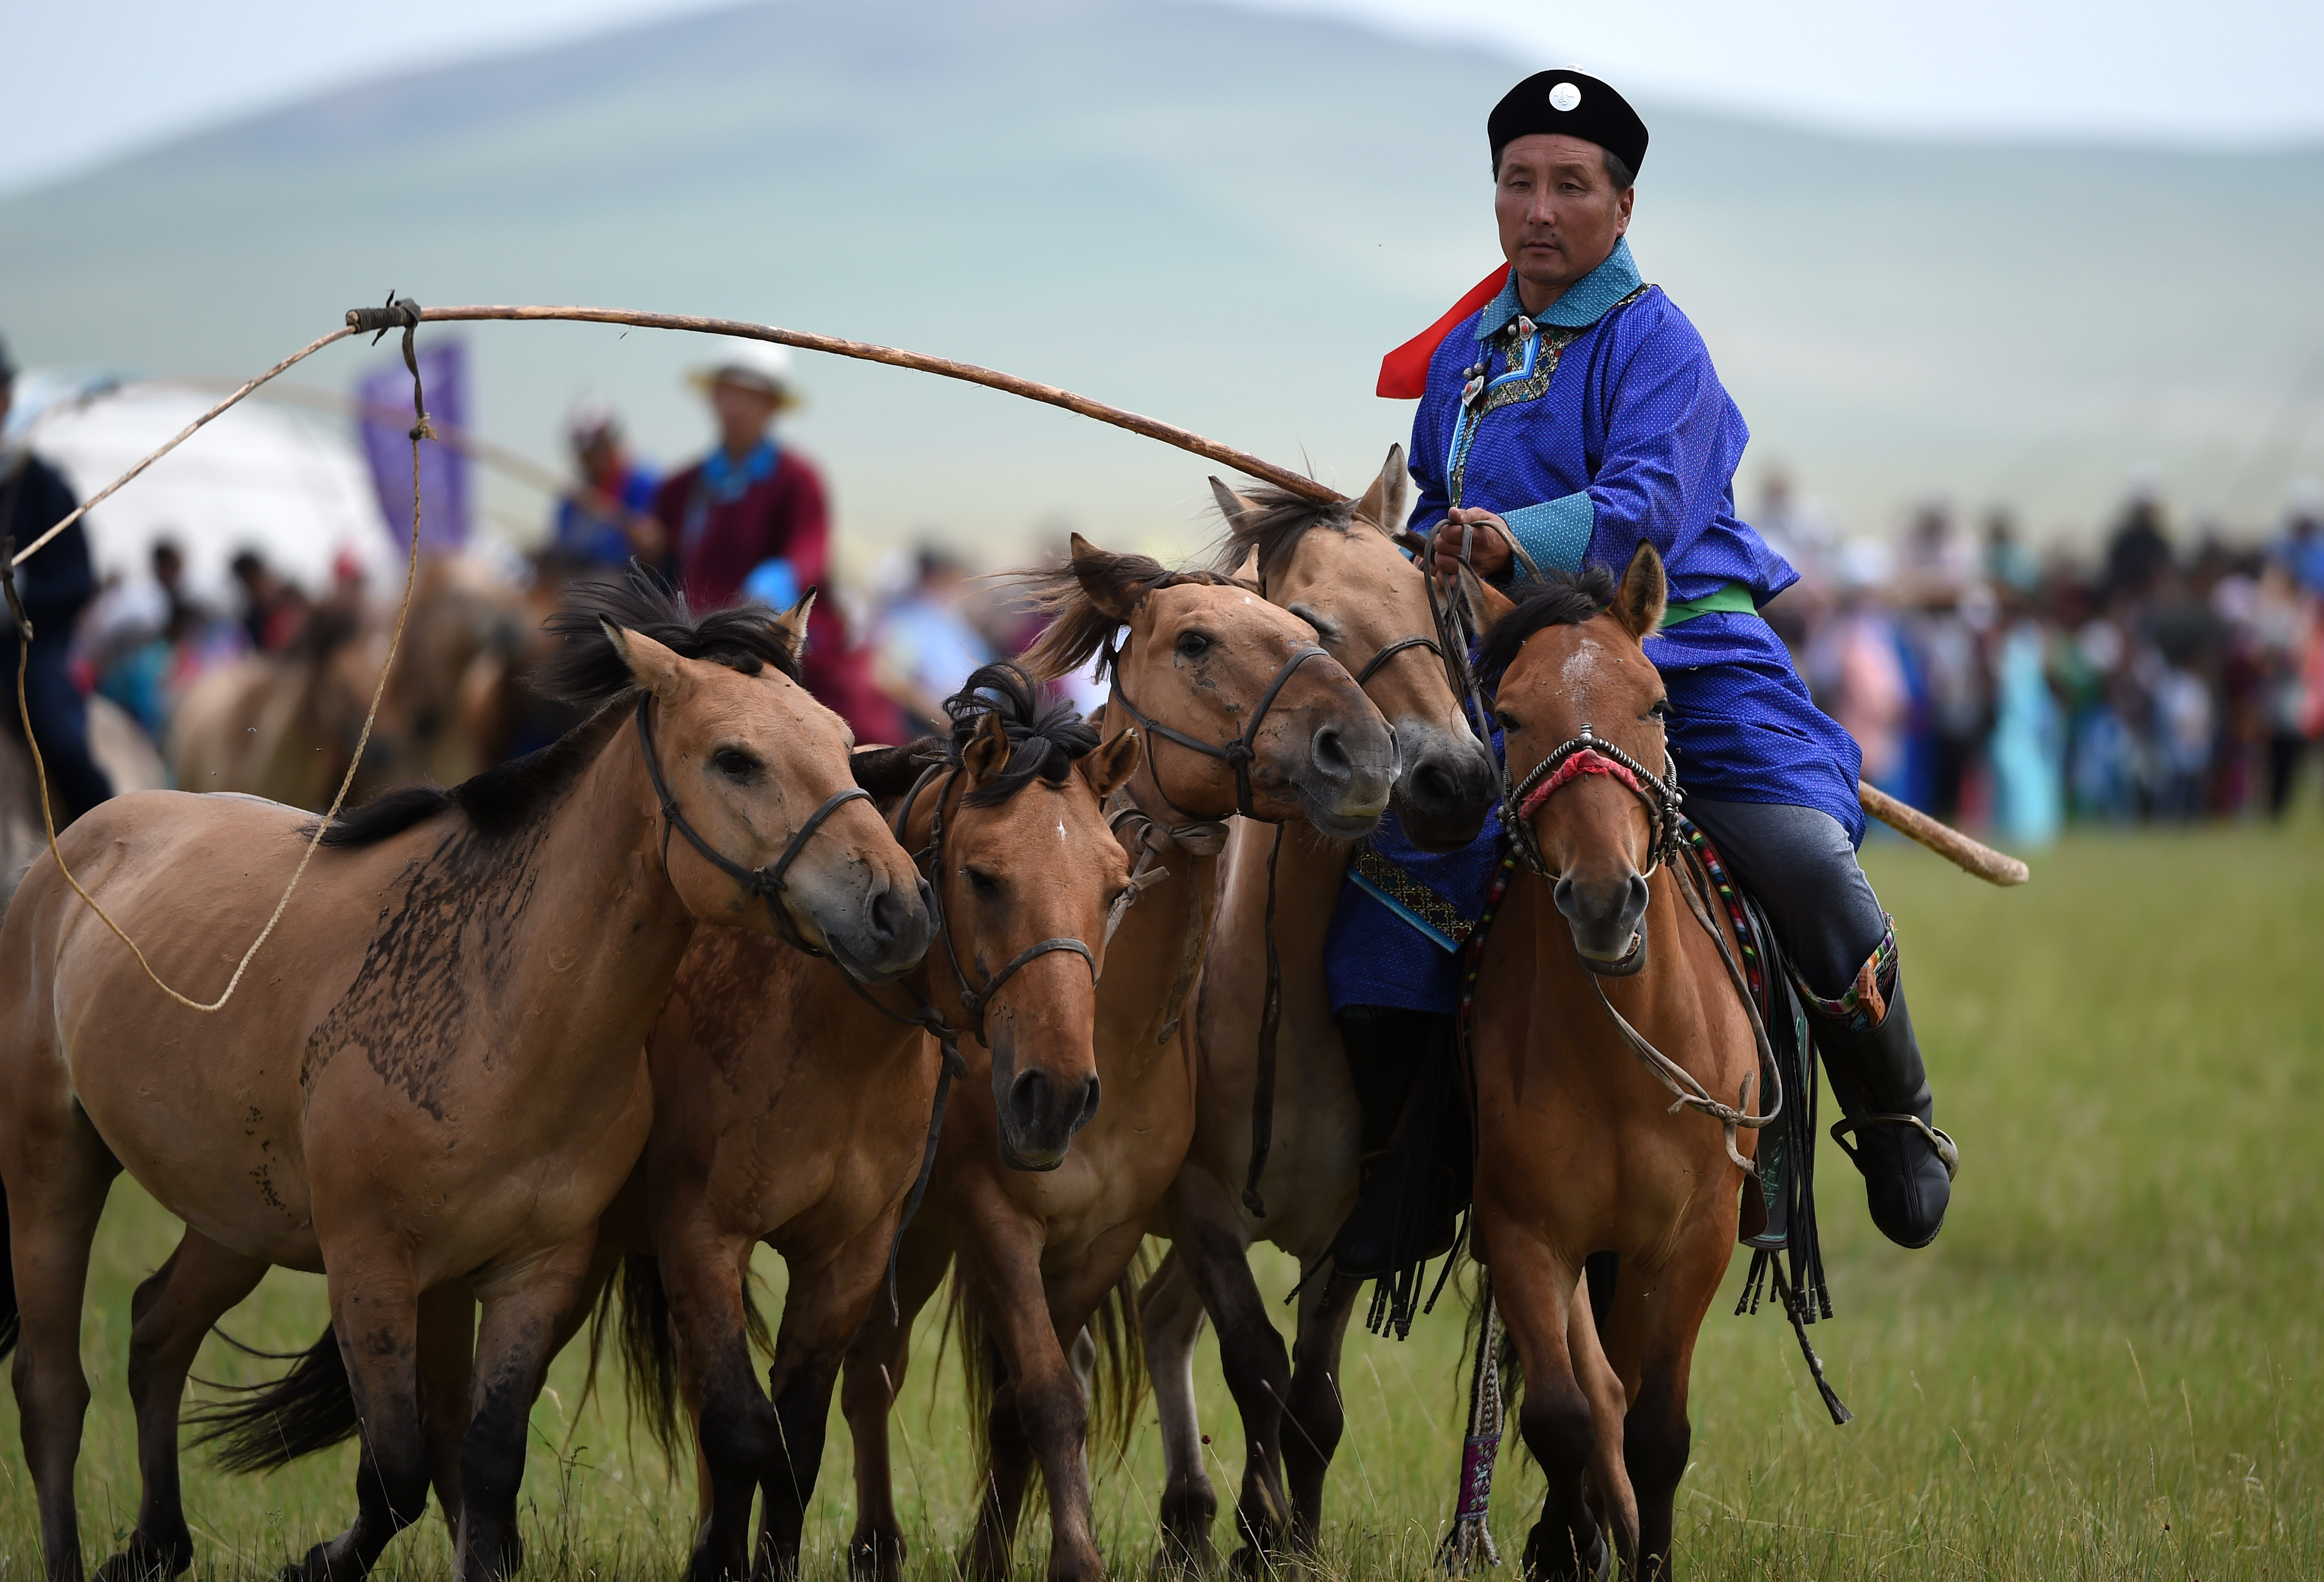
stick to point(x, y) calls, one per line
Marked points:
point(1336, 567)
point(1026, 870)
point(1241, 710)
point(751, 771)
point(1582, 708)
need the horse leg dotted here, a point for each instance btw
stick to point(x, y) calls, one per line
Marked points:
point(1041, 1414)
point(447, 1345)
point(821, 1315)
point(515, 1341)
point(169, 1317)
point(375, 1313)
point(1316, 1415)
point(58, 1171)
point(1655, 1434)
point(873, 1379)
point(1170, 1320)
point(1612, 1499)
point(702, 1268)
point(1252, 1356)
point(1535, 1290)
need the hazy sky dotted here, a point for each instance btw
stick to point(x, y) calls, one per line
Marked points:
point(89, 79)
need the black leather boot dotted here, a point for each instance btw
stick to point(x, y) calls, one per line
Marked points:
point(1874, 1063)
point(1408, 1201)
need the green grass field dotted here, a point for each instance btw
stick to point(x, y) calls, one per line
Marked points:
point(2106, 1368)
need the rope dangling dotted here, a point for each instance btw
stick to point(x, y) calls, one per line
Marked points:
point(409, 317)
point(1469, 1546)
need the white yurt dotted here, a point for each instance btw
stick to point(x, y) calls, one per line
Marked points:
point(287, 482)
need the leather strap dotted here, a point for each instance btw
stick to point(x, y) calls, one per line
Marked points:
point(766, 884)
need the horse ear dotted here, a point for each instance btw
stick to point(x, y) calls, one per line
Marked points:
point(792, 623)
point(652, 665)
point(1106, 767)
point(1238, 511)
point(1486, 604)
point(987, 753)
point(1100, 573)
point(1644, 595)
point(1384, 505)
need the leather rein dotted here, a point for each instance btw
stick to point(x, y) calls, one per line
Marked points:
point(1583, 754)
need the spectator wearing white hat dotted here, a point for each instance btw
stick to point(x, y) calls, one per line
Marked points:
point(750, 520)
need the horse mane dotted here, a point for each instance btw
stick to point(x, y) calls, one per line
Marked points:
point(586, 669)
point(1276, 522)
point(1079, 631)
point(1558, 598)
point(1044, 737)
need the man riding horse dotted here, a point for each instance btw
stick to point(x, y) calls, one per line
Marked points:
point(1567, 412)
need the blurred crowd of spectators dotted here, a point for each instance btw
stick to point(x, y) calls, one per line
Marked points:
point(2167, 678)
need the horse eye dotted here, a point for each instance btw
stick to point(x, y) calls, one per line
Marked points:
point(1661, 709)
point(1506, 720)
point(983, 882)
point(1193, 644)
point(734, 764)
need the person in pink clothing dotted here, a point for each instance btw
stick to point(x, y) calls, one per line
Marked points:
point(750, 521)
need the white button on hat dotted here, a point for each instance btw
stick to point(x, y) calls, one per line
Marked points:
point(1565, 96)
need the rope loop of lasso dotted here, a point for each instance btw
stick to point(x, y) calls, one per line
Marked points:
point(406, 314)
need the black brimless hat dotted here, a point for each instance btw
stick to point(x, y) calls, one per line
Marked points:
point(1573, 104)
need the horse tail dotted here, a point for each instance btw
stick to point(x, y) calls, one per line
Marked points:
point(270, 1425)
point(1117, 1385)
point(1120, 1382)
point(9, 1322)
point(634, 1308)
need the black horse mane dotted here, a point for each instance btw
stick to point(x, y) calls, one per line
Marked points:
point(1078, 630)
point(587, 669)
point(1045, 736)
point(1277, 521)
point(1559, 598)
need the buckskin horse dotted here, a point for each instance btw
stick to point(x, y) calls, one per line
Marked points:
point(437, 1080)
point(1339, 569)
point(792, 1107)
point(1607, 986)
point(1240, 711)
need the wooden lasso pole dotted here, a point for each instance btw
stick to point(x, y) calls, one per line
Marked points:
point(1971, 856)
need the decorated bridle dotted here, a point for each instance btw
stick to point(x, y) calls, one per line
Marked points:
point(767, 883)
point(1584, 754)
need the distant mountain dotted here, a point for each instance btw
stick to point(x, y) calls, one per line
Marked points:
point(1217, 215)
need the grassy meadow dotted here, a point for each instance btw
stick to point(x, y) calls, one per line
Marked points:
point(2108, 1367)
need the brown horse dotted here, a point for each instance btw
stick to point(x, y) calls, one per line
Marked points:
point(791, 1108)
point(1606, 986)
point(436, 1080)
point(1240, 712)
point(1338, 570)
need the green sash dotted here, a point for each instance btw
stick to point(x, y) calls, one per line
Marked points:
point(1734, 599)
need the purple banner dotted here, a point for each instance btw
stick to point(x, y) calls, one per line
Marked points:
point(385, 421)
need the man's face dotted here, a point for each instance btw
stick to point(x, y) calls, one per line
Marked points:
point(744, 413)
point(1559, 213)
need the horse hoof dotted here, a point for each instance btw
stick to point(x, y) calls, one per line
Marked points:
point(145, 1563)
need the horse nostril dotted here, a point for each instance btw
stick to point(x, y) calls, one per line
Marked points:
point(1331, 754)
point(1433, 785)
point(1089, 1105)
point(890, 916)
point(1027, 1097)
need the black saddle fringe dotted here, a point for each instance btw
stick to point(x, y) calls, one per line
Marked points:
point(1793, 1271)
point(1440, 1132)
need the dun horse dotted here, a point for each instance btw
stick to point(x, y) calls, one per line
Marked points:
point(1338, 570)
point(791, 1107)
point(1605, 987)
point(436, 1080)
point(1240, 711)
